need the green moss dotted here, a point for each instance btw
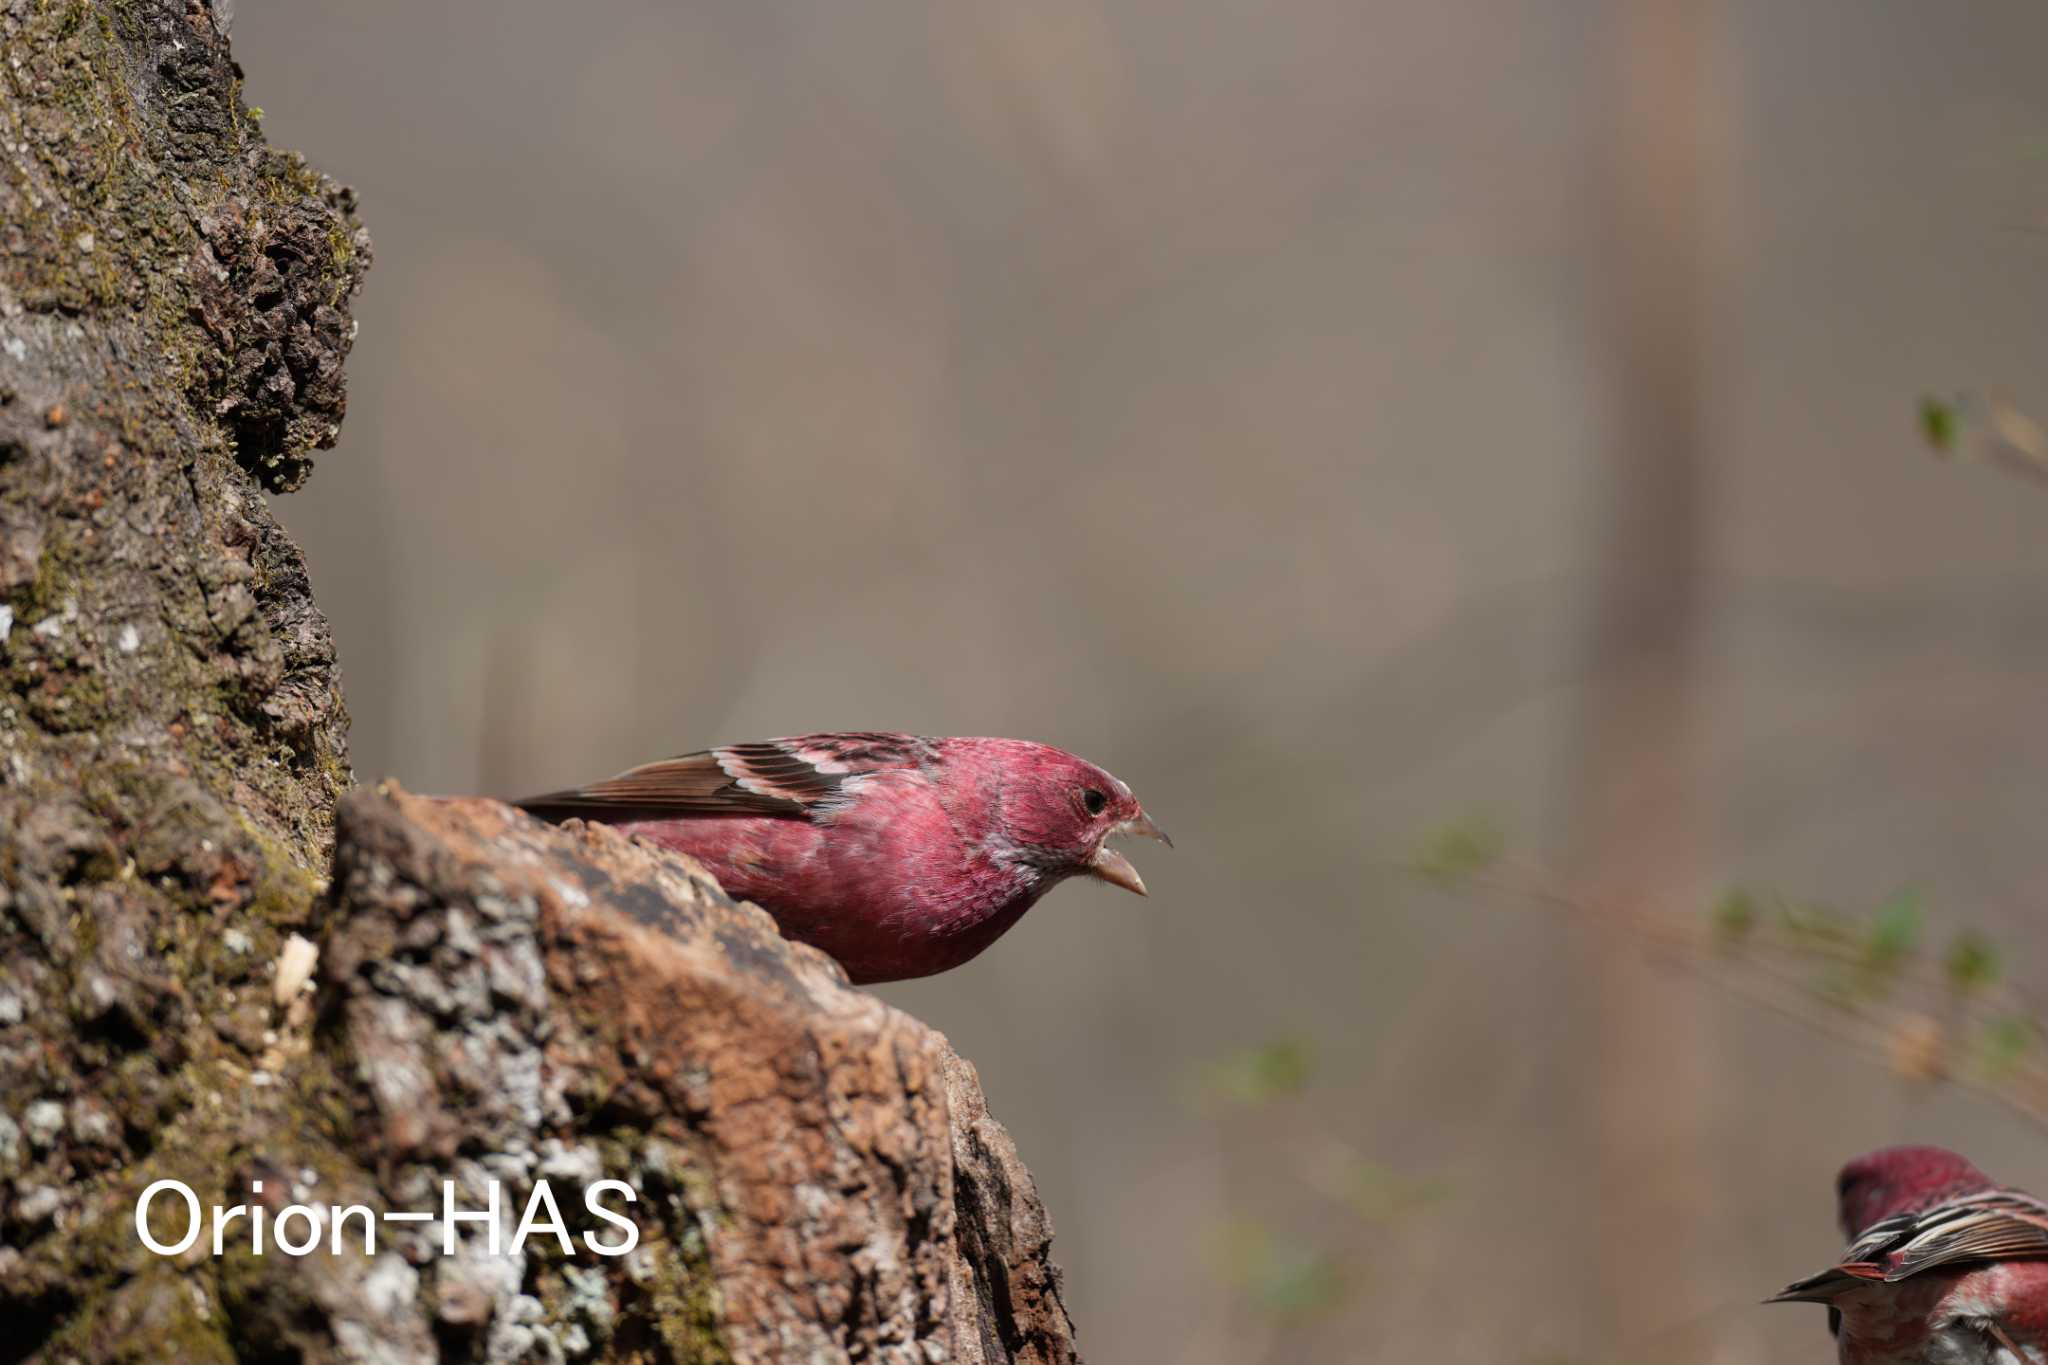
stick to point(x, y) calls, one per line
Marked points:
point(153, 1317)
point(672, 1309)
point(286, 888)
point(682, 1304)
point(341, 249)
point(83, 160)
point(56, 680)
point(202, 1143)
point(44, 595)
point(70, 701)
point(132, 1304)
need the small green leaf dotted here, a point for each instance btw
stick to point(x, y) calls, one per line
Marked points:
point(1450, 853)
point(1972, 962)
point(1894, 931)
point(1284, 1280)
point(1735, 914)
point(1299, 1282)
point(1939, 423)
point(1380, 1194)
point(2004, 1044)
point(1260, 1074)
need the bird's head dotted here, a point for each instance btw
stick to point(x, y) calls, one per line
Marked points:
point(1901, 1180)
point(1056, 811)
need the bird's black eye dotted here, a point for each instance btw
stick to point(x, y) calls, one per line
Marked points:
point(1095, 801)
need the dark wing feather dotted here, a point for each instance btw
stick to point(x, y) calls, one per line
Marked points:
point(796, 779)
point(1882, 1238)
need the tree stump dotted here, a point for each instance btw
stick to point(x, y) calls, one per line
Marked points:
point(485, 998)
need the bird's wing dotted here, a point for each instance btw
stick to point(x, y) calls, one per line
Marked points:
point(1991, 1225)
point(799, 778)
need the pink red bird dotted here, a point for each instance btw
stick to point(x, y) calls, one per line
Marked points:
point(1943, 1267)
point(898, 855)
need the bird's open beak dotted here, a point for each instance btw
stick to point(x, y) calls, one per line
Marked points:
point(1113, 867)
point(1142, 826)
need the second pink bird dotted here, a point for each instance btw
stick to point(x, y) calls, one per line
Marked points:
point(1944, 1267)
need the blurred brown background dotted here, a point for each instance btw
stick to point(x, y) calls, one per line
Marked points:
point(1329, 417)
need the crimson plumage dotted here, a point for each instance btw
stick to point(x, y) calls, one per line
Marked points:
point(1943, 1268)
point(899, 855)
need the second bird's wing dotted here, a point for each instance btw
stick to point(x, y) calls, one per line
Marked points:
point(1991, 1225)
point(798, 778)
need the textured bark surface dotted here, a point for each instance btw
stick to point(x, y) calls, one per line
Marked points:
point(818, 1178)
point(818, 1175)
point(173, 299)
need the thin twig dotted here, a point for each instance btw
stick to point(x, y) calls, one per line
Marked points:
point(1772, 968)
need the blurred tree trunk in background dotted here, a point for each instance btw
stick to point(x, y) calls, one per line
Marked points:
point(1635, 832)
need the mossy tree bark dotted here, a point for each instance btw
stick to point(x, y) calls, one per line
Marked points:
point(817, 1175)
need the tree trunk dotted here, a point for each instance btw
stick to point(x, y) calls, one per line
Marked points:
point(1636, 836)
point(815, 1174)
